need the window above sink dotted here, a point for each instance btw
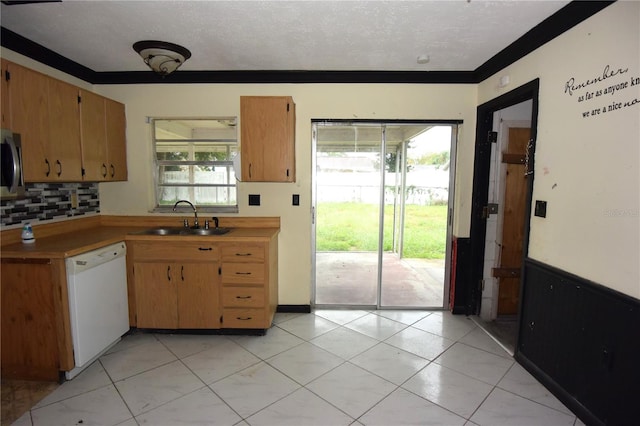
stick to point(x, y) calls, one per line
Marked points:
point(194, 161)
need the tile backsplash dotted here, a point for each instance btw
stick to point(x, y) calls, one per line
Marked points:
point(48, 202)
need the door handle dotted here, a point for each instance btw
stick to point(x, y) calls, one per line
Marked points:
point(59, 167)
point(182, 273)
point(48, 167)
point(104, 173)
point(113, 171)
point(169, 272)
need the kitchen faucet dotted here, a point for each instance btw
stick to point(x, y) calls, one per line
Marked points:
point(196, 225)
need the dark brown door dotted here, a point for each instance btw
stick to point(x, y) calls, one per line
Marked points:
point(515, 199)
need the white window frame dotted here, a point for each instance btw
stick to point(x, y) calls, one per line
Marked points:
point(190, 145)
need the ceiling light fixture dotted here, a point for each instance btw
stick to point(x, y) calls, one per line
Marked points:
point(161, 56)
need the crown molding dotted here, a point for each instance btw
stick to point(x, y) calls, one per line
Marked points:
point(566, 18)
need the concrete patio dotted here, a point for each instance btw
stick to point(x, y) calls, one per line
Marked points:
point(350, 278)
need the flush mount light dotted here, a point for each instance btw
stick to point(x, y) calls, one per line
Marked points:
point(161, 56)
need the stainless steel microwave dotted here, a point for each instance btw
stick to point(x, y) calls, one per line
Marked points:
point(11, 166)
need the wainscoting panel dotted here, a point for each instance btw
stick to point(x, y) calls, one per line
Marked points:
point(582, 340)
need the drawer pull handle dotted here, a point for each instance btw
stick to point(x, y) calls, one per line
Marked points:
point(243, 254)
point(169, 273)
point(244, 318)
point(243, 297)
point(243, 273)
point(205, 248)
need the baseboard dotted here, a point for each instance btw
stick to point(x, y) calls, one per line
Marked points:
point(299, 309)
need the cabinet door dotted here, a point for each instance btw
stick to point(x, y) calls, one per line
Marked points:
point(29, 337)
point(156, 294)
point(198, 296)
point(64, 132)
point(116, 140)
point(5, 113)
point(29, 116)
point(267, 141)
point(94, 138)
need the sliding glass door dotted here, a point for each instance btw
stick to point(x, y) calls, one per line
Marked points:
point(381, 195)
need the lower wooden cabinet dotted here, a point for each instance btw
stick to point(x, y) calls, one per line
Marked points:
point(204, 285)
point(246, 285)
point(176, 285)
point(36, 335)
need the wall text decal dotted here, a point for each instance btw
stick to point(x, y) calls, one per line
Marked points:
point(610, 82)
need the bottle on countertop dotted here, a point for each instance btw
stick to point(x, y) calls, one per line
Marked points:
point(27, 233)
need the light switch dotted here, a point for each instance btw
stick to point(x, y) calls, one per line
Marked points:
point(541, 208)
point(295, 200)
point(254, 199)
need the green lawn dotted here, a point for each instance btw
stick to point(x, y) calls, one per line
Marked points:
point(354, 227)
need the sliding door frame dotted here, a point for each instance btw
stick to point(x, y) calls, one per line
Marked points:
point(455, 129)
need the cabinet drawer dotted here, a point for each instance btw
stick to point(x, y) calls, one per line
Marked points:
point(243, 297)
point(151, 250)
point(243, 253)
point(242, 273)
point(243, 318)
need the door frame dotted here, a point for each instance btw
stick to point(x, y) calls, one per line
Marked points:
point(455, 130)
point(480, 194)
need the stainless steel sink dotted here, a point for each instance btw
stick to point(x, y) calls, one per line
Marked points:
point(162, 231)
point(210, 231)
point(183, 231)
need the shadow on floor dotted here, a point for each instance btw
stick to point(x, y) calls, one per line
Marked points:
point(18, 396)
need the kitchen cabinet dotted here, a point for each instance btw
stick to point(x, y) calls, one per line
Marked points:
point(4, 94)
point(207, 284)
point(176, 285)
point(103, 138)
point(36, 336)
point(267, 144)
point(29, 115)
point(94, 137)
point(249, 284)
point(116, 127)
point(64, 133)
point(45, 113)
point(68, 134)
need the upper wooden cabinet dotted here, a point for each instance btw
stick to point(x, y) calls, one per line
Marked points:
point(267, 143)
point(45, 113)
point(64, 132)
point(4, 95)
point(104, 152)
point(68, 134)
point(116, 127)
point(94, 136)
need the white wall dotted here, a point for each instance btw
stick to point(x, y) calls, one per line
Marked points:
point(587, 168)
point(313, 101)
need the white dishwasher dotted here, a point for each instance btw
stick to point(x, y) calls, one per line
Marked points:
point(98, 307)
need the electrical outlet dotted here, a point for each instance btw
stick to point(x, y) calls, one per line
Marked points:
point(74, 199)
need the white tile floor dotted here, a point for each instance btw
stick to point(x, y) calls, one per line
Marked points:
point(325, 368)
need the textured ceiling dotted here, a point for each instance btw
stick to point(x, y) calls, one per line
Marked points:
point(457, 35)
